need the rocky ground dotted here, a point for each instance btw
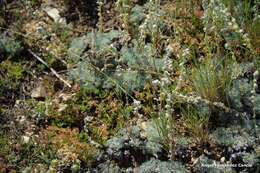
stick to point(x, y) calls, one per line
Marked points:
point(118, 86)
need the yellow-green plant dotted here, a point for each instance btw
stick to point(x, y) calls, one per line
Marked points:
point(196, 124)
point(165, 127)
point(211, 80)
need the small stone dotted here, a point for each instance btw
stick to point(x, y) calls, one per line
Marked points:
point(54, 14)
point(255, 86)
point(88, 119)
point(256, 74)
point(39, 92)
point(25, 139)
point(62, 107)
point(222, 159)
point(65, 97)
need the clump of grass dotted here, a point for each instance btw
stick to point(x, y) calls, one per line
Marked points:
point(254, 30)
point(211, 80)
point(165, 126)
point(5, 147)
point(196, 124)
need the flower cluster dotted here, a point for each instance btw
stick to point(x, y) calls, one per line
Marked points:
point(255, 87)
point(218, 19)
point(166, 81)
point(100, 15)
point(184, 57)
point(124, 8)
point(137, 106)
point(152, 23)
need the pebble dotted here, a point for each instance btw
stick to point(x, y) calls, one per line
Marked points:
point(39, 92)
point(222, 159)
point(25, 139)
point(54, 14)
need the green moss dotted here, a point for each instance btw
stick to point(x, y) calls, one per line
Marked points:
point(10, 75)
point(196, 124)
point(12, 70)
point(5, 147)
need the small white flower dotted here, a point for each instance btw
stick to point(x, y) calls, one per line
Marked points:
point(245, 35)
point(252, 92)
point(226, 45)
point(141, 27)
point(137, 103)
point(255, 86)
point(25, 139)
point(156, 82)
point(256, 74)
point(181, 64)
point(169, 48)
point(167, 106)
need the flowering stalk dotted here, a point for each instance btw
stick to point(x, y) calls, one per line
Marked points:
point(253, 92)
point(217, 18)
point(185, 56)
point(168, 110)
point(124, 8)
point(151, 26)
point(100, 15)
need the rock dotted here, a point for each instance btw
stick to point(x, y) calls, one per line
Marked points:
point(39, 92)
point(222, 159)
point(54, 14)
point(25, 139)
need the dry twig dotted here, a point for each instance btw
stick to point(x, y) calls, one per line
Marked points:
point(52, 70)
